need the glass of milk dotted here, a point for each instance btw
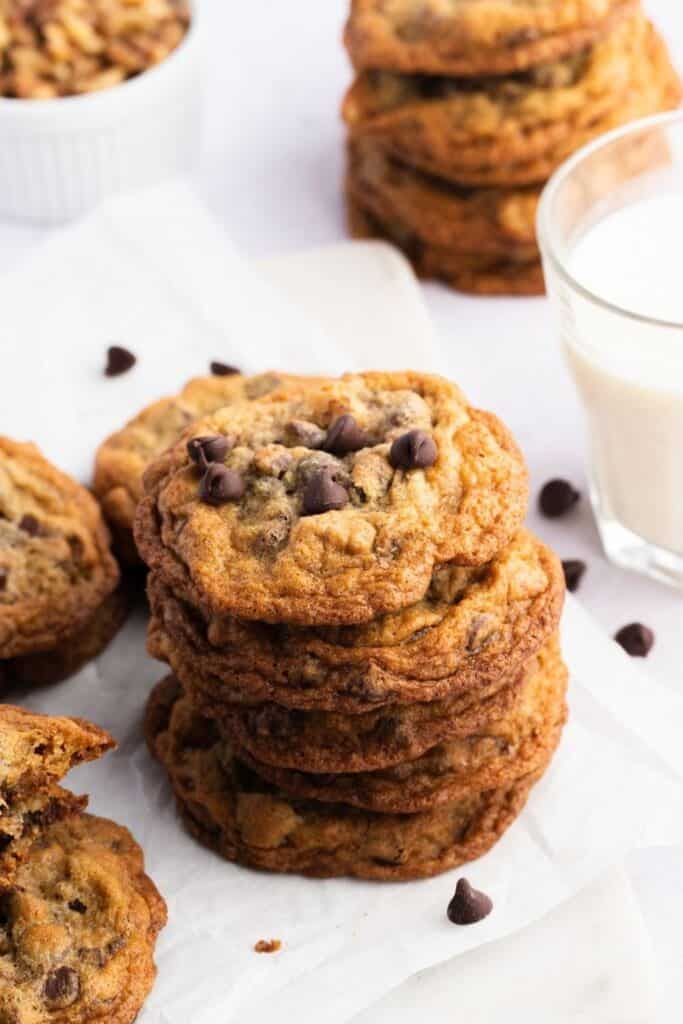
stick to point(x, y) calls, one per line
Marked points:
point(611, 232)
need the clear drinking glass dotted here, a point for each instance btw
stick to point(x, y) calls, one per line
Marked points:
point(620, 312)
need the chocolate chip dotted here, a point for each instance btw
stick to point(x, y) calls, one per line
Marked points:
point(3, 579)
point(468, 905)
point(557, 498)
point(220, 485)
point(62, 987)
point(573, 573)
point(636, 639)
point(119, 360)
point(77, 906)
point(30, 525)
point(323, 494)
point(344, 436)
point(205, 450)
point(414, 450)
point(223, 370)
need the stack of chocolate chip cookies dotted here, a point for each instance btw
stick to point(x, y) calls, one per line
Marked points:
point(461, 110)
point(363, 638)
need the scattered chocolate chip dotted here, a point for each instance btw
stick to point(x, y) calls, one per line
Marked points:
point(119, 360)
point(323, 494)
point(468, 905)
point(30, 525)
point(267, 946)
point(77, 906)
point(414, 450)
point(557, 497)
point(636, 639)
point(205, 450)
point(574, 570)
point(62, 987)
point(220, 485)
point(3, 580)
point(223, 370)
point(344, 436)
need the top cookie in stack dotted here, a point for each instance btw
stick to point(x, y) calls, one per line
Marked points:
point(462, 109)
point(368, 680)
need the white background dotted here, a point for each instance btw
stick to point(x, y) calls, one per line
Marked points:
point(271, 172)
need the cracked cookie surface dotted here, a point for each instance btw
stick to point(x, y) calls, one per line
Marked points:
point(474, 37)
point(280, 529)
point(473, 629)
point(56, 567)
point(77, 931)
point(122, 459)
point(230, 809)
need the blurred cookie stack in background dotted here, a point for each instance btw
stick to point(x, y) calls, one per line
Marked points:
point(462, 109)
point(367, 678)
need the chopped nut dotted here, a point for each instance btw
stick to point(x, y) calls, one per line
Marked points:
point(52, 48)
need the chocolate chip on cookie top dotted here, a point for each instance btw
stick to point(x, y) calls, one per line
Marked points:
point(55, 562)
point(319, 536)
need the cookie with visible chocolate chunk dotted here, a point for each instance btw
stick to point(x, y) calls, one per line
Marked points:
point(230, 809)
point(474, 629)
point(56, 566)
point(36, 751)
point(475, 37)
point(496, 753)
point(78, 929)
point(122, 459)
point(303, 524)
point(472, 272)
point(515, 130)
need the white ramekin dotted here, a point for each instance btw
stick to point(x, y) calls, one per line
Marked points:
point(60, 157)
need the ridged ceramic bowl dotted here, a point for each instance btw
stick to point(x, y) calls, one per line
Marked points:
point(60, 157)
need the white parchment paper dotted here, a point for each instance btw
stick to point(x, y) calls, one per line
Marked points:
point(154, 274)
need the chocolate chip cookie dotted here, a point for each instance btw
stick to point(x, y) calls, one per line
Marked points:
point(472, 273)
point(75, 652)
point(35, 752)
point(331, 504)
point(474, 37)
point(515, 130)
point(56, 567)
point(495, 754)
point(78, 929)
point(232, 810)
point(122, 459)
point(474, 628)
point(469, 222)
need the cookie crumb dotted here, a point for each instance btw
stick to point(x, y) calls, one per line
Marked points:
point(268, 946)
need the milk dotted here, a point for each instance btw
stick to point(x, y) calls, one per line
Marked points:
point(630, 372)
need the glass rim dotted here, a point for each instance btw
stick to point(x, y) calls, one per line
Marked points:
point(545, 221)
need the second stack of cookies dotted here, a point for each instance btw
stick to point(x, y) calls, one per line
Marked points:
point(367, 679)
point(460, 113)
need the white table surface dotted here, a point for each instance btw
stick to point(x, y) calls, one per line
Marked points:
point(271, 172)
